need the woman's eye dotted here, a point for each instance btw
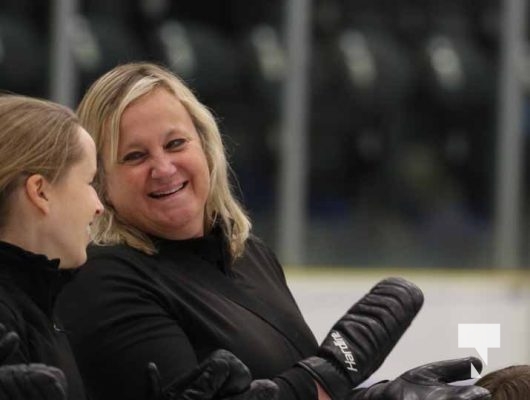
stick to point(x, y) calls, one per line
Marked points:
point(132, 157)
point(176, 144)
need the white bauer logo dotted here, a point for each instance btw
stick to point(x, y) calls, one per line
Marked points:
point(348, 356)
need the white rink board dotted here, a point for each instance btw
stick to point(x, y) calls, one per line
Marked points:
point(450, 298)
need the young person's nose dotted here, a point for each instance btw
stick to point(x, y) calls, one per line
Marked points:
point(99, 206)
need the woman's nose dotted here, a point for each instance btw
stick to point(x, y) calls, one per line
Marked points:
point(162, 166)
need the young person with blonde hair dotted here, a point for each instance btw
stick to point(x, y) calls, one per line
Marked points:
point(47, 204)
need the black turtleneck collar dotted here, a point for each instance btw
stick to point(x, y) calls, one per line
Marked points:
point(211, 247)
point(35, 274)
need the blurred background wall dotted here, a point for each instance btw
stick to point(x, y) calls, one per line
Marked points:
point(398, 155)
point(364, 135)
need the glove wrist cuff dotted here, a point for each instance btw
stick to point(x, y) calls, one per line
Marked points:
point(328, 376)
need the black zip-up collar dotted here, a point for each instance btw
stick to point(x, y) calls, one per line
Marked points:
point(36, 275)
point(212, 247)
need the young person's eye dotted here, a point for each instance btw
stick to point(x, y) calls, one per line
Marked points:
point(133, 156)
point(176, 143)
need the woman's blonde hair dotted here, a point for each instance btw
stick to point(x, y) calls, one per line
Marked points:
point(100, 112)
point(36, 137)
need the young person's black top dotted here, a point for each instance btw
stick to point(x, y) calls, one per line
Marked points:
point(29, 284)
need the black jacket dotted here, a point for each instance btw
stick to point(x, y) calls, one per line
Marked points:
point(126, 308)
point(29, 284)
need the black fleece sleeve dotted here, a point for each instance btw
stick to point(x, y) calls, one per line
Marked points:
point(296, 384)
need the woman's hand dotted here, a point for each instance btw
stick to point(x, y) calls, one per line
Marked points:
point(222, 376)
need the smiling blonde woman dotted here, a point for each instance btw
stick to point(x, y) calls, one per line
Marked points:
point(178, 274)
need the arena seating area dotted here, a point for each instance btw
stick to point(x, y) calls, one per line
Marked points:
point(402, 108)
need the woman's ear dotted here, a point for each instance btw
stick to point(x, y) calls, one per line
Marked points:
point(37, 188)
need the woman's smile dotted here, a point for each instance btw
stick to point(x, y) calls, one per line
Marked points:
point(160, 194)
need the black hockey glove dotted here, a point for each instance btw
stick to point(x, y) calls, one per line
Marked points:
point(27, 381)
point(360, 341)
point(32, 381)
point(9, 341)
point(222, 376)
point(428, 382)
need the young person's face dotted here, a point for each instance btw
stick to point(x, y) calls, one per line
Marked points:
point(73, 206)
point(161, 180)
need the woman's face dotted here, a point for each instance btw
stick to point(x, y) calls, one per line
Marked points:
point(161, 180)
point(73, 206)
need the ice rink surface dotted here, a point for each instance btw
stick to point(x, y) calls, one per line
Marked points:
point(451, 298)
